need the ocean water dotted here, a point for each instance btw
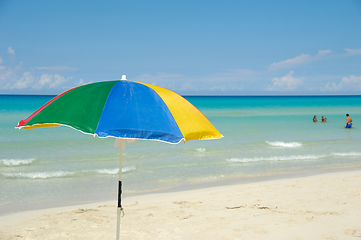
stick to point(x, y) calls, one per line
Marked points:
point(263, 136)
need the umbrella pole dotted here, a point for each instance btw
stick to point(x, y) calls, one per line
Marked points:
point(120, 209)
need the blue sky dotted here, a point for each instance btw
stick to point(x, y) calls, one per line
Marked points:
point(191, 47)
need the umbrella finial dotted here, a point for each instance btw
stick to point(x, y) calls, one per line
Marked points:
point(124, 77)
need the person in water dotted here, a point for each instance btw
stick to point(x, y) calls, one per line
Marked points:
point(323, 119)
point(348, 121)
point(315, 118)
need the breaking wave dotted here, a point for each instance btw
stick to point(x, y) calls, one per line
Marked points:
point(285, 144)
point(351, 154)
point(41, 175)
point(108, 171)
point(115, 171)
point(16, 162)
point(277, 158)
point(59, 174)
point(201, 150)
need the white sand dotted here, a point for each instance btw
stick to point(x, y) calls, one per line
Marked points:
point(325, 206)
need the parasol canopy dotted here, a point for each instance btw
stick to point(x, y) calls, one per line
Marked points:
point(124, 109)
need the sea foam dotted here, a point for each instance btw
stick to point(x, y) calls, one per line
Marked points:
point(285, 144)
point(201, 150)
point(350, 154)
point(277, 158)
point(108, 171)
point(128, 169)
point(16, 162)
point(41, 175)
point(115, 170)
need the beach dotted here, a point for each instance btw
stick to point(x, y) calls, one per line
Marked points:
point(323, 206)
point(275, 175)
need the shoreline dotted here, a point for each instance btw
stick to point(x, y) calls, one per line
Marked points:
point(321, 206)
point(187, 186)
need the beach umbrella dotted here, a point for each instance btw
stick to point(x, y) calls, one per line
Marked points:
point(125, 110)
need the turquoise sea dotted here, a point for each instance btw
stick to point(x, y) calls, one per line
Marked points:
point(263, 136)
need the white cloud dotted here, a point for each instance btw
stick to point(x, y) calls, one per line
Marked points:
point(187, 86)
point(14, 79)
point(19, 66)
point(285, 83)
point(11, 50)
point(6, 74)
point(58, 68)
point(58, 80)
point(351, 52)
point(50, 81)
point(352, 83)
point(24, 82)
point(324, 52)
point(302, 59)
point(28, 81)
point(299, 60)
point(1, 67)
point(81, 82)
point(45, 79)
